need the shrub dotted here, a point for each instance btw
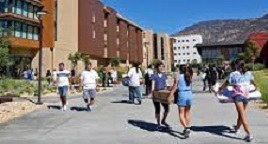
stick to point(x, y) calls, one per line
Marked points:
point(257, 66)
point(16, 87)
point(262, 83)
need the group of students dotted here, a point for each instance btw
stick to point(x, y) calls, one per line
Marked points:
point(238, 77)
point(89, 82)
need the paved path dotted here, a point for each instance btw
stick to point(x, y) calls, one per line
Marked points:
point(118, 123)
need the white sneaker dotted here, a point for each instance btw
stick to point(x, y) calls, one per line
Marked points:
point(249, 138)
point(64, 108)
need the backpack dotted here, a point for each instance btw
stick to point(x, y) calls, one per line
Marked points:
point(126, 81)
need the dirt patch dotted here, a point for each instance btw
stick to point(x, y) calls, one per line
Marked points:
point(9, 111)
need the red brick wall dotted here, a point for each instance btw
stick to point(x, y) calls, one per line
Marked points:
point(112, 33)
point(123, 28)
point(86, 43)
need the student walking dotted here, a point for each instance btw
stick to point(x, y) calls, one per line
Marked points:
point(135, 76)
point(159, 82)
point(114, 76)
point(240, 79)
point(48, 77)
point(63, 82)
point(148, 80)
point(184, 102)
point(89, 82)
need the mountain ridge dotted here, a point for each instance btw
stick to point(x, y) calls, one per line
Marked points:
point(226, 30)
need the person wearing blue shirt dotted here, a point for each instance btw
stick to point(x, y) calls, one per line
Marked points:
point(183, 84)
point(159, 82)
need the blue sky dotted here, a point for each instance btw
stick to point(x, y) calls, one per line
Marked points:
point(173, 15)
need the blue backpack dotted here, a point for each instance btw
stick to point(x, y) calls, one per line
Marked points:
point(126, 81)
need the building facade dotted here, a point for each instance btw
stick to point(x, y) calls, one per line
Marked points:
point(20, 19)
point(85, 26)
point(162, 49)
point(210, 53)
point(261, 40)
point(148, 49)
point(185, 50)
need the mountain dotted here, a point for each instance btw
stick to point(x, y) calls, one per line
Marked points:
point(226, 31)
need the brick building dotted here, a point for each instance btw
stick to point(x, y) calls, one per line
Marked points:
point(261, 39)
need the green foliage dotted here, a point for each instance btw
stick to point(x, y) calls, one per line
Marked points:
point(75, 58)
point(220, 59)
point(115, 62)
point(262, 82)
point(86, 59)
point(16, 87)
point(251, 52)
point(155, 62)
point(255, 67)
point(194, 63)
point(120, 74)
point(4, 56)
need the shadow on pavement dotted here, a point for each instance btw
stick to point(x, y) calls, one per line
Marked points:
point(56, 107)
point(215, 130)
point(79, 109)
point(121, 102)
point(152, 127)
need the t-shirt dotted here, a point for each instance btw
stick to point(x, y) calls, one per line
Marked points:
point(89, 79)
point(135, 78)
point(150, 72)
point(241, 83)
point(159, 81)
point(25, 74)
point(113, 74)
point(63, 78)
point(54, 75)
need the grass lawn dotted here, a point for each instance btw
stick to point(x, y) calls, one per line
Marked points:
point(261, 78)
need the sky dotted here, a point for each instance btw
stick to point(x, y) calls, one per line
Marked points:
point(171, 16)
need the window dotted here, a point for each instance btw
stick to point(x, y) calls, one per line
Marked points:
point(36, 33)
point(174, 48)
point(187, 40)
point(188, 47)
point(105, 23)
point(179, 53)
point(118, 29)
point(188, 53)
point(35, 15)
point(18, 29)
point(183, 40)
point(24, 31)
point(3, 6)
point(25, 9)
point(188, 60)
point(30, 32)
point(183, 47)
point(179, 41)
point(194, 53)
point(194, 40)
point(183, 53)
point(118, 41)
point(93, 18)
point(30, 11)
point(19, 7)
point(175, 54)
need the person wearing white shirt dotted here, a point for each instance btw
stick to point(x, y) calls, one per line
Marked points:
point(135, 76)
point(114, 75)
point(148, 79)
point(89, 81)
point(63, 83)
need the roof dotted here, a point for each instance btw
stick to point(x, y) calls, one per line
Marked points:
point(221, 44)
point(129, 21)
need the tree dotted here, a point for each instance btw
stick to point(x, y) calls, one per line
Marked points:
point(86, 59)
point(220, 59)
point(155, 62)
point(194, 63)
point(4, 51)
point(115, 62)
point(251, 52)
point(74, 58)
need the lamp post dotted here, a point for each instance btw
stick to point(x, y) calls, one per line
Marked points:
point(39, 15)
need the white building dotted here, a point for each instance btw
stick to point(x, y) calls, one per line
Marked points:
point(184, 49)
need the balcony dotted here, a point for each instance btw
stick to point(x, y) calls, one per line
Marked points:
point(23, 43)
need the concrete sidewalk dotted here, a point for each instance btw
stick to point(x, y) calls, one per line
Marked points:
point(113, 121)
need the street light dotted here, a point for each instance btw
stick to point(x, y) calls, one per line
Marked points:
point(39, 15)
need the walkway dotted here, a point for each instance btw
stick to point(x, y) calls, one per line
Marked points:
point(116, 122)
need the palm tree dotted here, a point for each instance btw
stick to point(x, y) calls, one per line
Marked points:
point(74, 58)
point(115, 61)
point(86, 59)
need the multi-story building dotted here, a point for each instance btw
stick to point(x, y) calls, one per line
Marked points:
point(20, 18)
point(227, 51)
point(85, 26)
point(162, 50)
point(148, 49)
point(185, 50)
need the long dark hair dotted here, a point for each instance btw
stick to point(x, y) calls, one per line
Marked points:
point(136, 65)
point(187, 74)
point(241, 66)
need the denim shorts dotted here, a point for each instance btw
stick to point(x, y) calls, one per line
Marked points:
point(89, 93)
point(185, 98)
point(63, 91)
point(239, 98)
